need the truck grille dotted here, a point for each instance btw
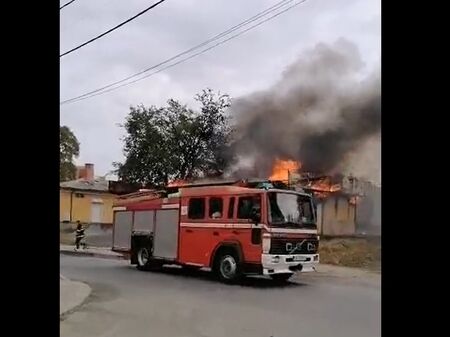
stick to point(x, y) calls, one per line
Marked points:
point(287, 246)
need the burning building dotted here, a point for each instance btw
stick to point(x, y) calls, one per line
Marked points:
point(345, 205)
point(319, 122)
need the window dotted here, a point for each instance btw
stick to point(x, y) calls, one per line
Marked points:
point(246, 204)
point(215, 208)
point(290, 209)
point(231, 208)
point(196, 208)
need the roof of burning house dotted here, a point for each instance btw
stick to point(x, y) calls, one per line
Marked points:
point(321, 186)
point(249, 183)
point(210, 190)
point(320, 194)
point(216, 190)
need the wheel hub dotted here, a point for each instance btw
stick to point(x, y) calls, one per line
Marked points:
point(228, 267)
point(143, 256)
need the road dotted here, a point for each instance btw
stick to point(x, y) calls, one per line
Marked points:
point(131, 303)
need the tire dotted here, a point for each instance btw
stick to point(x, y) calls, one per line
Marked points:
point(281, 277)
point(143, 258)
point(228, 267)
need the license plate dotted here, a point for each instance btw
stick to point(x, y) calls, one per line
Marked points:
point(299, 258)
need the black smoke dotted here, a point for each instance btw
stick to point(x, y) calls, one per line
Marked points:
point(320, 111)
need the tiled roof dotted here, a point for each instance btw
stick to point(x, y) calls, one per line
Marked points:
point(100, 185)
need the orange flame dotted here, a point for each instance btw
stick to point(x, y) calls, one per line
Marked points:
point(282, 168)
point(322, 188)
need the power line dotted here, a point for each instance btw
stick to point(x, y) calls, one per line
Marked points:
point(101, 90)
point(67, 4)
point(112, 29)
point(216, 37)
point(86, 96)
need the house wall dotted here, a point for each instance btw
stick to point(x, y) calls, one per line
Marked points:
point(368, 212)
point(82, 207)
point(319, 220)
point(338, 216)
point(64, 205)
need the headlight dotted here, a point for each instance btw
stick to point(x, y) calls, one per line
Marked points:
point(275, 259)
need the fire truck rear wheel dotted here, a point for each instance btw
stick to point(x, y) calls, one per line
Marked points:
point(143, 258)
point(228, 268)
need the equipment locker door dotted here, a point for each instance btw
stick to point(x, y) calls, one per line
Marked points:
point(144, 221)
point(123, 222)
point(166, 234)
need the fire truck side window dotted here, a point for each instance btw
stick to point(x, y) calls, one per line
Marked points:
point(196, 208)
point(215, 208)
point(231, 208)
point(245, 206)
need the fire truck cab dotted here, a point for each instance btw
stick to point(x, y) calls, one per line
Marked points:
point(231, 230)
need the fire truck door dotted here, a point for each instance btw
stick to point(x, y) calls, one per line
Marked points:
point(166, 234)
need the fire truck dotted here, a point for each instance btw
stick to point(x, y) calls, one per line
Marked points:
point(231, 230)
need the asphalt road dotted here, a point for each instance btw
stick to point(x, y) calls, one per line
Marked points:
point(126, 302)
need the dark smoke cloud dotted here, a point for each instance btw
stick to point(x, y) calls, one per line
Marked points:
point(319, 112)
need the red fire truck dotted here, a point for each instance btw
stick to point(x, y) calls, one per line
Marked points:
point(231, 230)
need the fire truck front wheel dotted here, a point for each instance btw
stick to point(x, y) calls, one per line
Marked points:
point(228, 267)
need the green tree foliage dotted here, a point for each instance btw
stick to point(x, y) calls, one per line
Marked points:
point(175, 142)
point(69, 149)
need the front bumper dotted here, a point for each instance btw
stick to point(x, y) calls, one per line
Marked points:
point(282, 264)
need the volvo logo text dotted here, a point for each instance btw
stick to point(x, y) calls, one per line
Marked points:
point(311, 247)
point(291, 247)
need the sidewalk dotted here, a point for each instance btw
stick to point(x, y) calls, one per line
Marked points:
point(103, 252)
point(71, 294)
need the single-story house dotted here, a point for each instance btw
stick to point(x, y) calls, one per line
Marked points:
point(86, 199)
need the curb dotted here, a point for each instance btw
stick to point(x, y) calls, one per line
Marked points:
point(91, 254)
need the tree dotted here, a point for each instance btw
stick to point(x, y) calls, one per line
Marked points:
point(175, 142)
point(69, 148)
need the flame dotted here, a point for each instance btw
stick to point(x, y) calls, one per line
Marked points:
point(282, 168)
point(177, 183)
point(323, 187)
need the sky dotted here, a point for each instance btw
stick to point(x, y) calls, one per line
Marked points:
point(248, 63)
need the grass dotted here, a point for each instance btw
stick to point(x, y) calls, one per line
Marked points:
point(351, 252)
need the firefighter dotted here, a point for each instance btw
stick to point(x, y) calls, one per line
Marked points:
point(79, 236)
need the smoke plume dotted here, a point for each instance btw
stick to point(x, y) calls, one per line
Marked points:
point(321, 112)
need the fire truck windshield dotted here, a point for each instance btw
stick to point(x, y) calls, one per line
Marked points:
point(290, 210)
